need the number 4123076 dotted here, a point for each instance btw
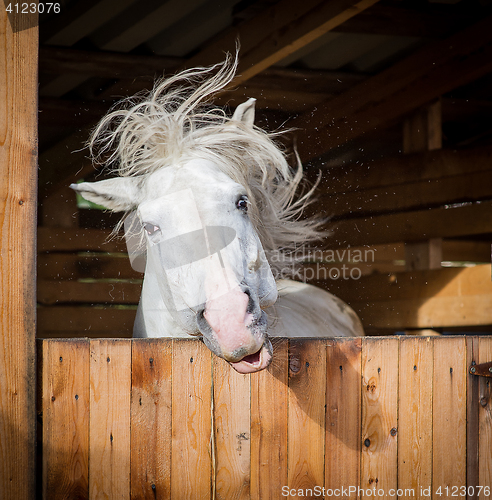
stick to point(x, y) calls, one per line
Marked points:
point(33, 8)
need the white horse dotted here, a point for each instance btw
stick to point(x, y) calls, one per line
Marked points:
point(211, 210)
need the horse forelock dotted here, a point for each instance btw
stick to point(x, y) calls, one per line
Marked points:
point(174, 123)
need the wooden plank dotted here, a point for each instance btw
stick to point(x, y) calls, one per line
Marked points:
point(423, 254)
point(449, 416)
point(65, 419)
point(472, 418)
point(379, 415)
point(415, 415)
point(18, 172)
point(430, 313)
point(61, 239)
point(101, 334)
point(453, 250)
point(232, 410)
point(343, 413)
point(68, 320)
point(412, 196)
point(485, 420)
point(191, 452)
point(269, 411)
point(405, 169)
point(414, 225)
point(52, 292)
point(79, 266)
point(422, 130)
point(421, 299)
point(433, 283)
point(110, 388)
point(60, 60)
point(306, 417)
point(430, 72)
point(285, 28)
point(151, 419)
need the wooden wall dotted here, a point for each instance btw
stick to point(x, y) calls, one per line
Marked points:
point(86, 286)
point(18, 201)
point(167, 419)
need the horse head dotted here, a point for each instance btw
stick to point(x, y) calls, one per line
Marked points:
point(204, 258)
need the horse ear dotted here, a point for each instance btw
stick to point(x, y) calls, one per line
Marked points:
point(245, 112)
point(118, 194)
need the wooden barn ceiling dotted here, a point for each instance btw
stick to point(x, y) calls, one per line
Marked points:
point(344, 73)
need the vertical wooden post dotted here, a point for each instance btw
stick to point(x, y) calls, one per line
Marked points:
point(18, 170)
point(422, 131)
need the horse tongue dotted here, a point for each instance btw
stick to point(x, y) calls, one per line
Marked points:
point(226, 314)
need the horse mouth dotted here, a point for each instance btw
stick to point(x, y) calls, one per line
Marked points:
point(255, 362)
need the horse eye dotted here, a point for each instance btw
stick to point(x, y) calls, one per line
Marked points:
point(242, 204)
point(151, 228)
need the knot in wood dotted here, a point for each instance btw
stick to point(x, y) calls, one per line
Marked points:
point(294, 363)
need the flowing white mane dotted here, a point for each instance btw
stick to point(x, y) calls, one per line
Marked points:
point(175, 122)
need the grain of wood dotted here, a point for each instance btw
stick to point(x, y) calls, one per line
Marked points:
point(151, 419)
point(415, 415)
point(306, 416)
point(110, 387)
point(18, 174)
point(269, 412)
point(449, 415)
point(379, 414)
point(232, 409)
point(191, 457)
point(485, 420)
point(65, 419)
point(343, 413)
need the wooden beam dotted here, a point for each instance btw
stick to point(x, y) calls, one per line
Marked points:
point(18, 167)
point(417, 195)
point(420, 299)
point(51, 292)
point(74, 267)
point(453, 250)
point(430, 72)
point(411, 20)
point(73, 321)
point(416, 167)
point(61, 239)
point(70, 113)
point(104, 64)
point(284, 28)
point(465, 220)
point(427, 179)
point(306, 88)
point(422, 131)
